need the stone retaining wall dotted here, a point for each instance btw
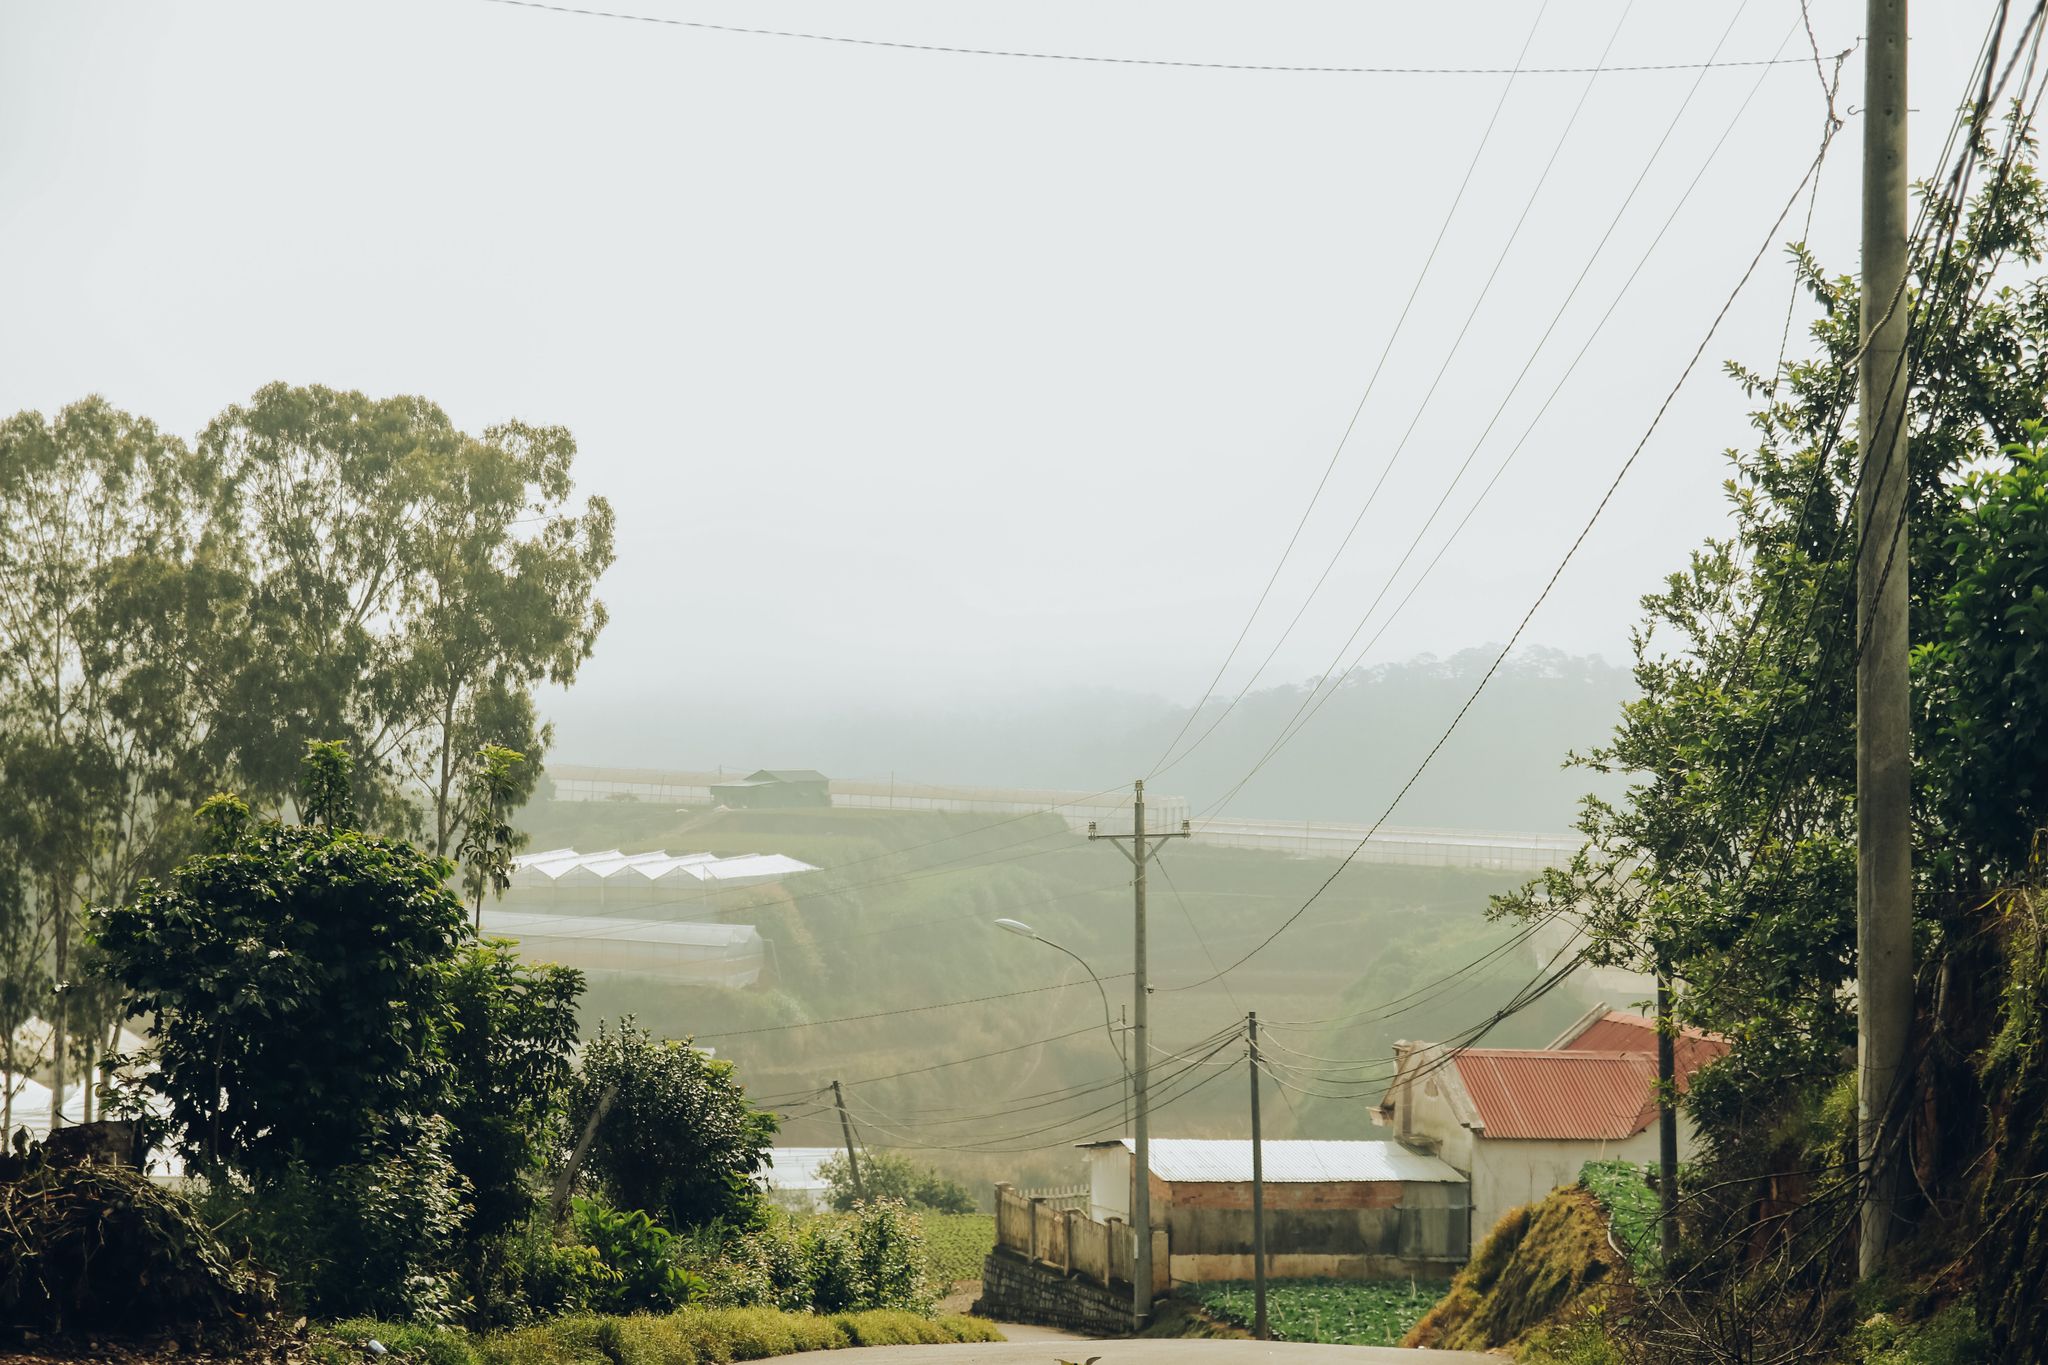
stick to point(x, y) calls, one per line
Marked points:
point(1016, 1290)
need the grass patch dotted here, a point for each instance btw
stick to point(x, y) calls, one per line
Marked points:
point(1631, 1207)
point(956, 1244)
point(1340, 1312)
point(693, 1336)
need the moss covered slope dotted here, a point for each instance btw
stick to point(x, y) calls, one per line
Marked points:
point(1541, 1263)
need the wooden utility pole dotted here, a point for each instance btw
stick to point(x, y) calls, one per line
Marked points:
point(846, 1129)
point(1141, 1136)
point(1667, 1115)
point(1251, 1024)
point(1884, 828)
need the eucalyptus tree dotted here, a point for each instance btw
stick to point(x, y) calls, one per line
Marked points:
point(408, 585)
point(106, 517)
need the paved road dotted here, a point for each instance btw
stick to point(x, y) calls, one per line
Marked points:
point(1152, 1353)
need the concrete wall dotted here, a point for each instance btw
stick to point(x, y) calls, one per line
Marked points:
point(1507, 1173)
point(1350, 1230)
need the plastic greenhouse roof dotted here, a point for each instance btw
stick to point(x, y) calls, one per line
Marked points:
point(514, 924)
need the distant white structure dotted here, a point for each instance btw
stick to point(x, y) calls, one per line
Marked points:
point(565, 881)
point(32, 1105)
point(793, 1181)
point(730, 955)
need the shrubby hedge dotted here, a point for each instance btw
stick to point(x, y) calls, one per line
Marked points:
point(693, 1336)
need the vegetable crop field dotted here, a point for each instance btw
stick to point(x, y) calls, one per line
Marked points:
point(1340, 1312)
point(957, 1243)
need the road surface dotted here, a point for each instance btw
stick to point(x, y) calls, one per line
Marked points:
point(1154, 1352)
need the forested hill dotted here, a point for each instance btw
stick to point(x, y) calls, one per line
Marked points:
point(1501, 770)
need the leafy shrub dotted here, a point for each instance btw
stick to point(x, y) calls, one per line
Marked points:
point(409, 1343)
point(103, 1247)
point(1632, 1209)
point(680, 1139)
point(638, 1260)
point(370, 1239)
point(891, 1175)
point(703, 1336)
point(872, 1258)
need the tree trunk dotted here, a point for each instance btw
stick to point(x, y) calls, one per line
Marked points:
point(60, 1008)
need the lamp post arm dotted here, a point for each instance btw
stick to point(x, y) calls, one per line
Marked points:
point(1108, 1020)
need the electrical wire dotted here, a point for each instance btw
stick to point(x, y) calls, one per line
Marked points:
point(1372, 382)
point(953, 50)
point(1450, 355)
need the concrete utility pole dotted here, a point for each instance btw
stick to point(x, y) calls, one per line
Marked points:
point(1141, 1044)
point(846, 1129)
point(1259, 1330)
point(1884, 828)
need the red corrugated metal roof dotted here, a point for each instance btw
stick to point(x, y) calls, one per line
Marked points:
point(1620, 1031)
point(1567, 1095)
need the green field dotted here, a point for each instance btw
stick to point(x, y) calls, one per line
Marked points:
point(957, 1243)
point(902, 915)
point(1340, 1312)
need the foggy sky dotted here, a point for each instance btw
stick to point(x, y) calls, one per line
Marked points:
point(928, 376)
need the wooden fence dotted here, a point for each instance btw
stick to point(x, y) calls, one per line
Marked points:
point(1069, 1241)
point(1060, 1196)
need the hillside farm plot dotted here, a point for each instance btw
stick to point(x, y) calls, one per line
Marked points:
point(956, 1244)
point(1339, 1312)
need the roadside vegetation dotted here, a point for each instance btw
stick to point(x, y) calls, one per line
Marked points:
point(692, 1336)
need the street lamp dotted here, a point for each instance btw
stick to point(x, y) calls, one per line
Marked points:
point(1024, 930)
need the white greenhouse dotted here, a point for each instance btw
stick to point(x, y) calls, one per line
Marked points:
point(730, 955)
point(562, 881)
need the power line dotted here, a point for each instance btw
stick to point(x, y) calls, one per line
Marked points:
point(1451, 354)
point(1093, 59)
point(1372, 381)
point(1571, 551)
point(1334, 674)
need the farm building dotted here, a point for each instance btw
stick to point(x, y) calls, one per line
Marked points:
point(792, 1179)
point(730, 955)
point(1346, 1210)
point(774, 788)
point(1519, 1122)
point(562, 881)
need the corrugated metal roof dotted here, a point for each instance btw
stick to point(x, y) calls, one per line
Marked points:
point(1526, 1093)
point(1209, 1161)
point(1620, 1031)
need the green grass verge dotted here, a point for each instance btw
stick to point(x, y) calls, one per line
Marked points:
point(694, 1336)
point(1631, 1208)
point(1341, 1312)
point(956, 1244)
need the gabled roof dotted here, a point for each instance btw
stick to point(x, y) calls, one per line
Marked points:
point(770, 776)
point(1527, 1093)
point(1182, 1161)
point(1605, 1030)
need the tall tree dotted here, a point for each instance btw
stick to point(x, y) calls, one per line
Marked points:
point(104, 516)
point(408, 586)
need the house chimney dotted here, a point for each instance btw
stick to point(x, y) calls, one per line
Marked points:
point(1404, 1093)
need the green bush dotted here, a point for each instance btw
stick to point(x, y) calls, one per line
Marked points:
point(410, 1343)
point(701, 1336)
point(891, 1175)
point(370, 1239)
point(1632, 1208)
point(872, 1258)
point(638, 1259)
